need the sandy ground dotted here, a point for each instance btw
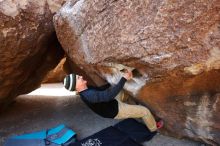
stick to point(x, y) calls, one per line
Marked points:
point(52, 105)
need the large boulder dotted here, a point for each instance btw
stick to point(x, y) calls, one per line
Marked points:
point(173, 46)
point(29, 47)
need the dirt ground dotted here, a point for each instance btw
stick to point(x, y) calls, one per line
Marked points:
point(52, 105)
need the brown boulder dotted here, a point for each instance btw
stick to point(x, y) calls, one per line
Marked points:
point(173, 45)
point(29, 47)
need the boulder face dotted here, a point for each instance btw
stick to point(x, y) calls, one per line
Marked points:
point(57, 74)
point(172, 45)
point(29, 47)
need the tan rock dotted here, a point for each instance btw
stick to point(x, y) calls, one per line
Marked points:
point(57, 74)
point(173, 45)
point(28, 48)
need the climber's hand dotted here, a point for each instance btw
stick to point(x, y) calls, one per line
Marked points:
point(128, 75)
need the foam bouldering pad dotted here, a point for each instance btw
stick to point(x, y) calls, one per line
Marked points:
point(135, 130)
point(128, 132)
point(107, 137)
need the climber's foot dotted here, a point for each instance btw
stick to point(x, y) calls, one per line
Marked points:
point(159, 124)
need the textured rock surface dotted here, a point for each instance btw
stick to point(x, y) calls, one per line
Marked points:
point(28, 47)
point(174, 46)
point(57, 74)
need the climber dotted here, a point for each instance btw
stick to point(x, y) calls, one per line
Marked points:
point(105, 100)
